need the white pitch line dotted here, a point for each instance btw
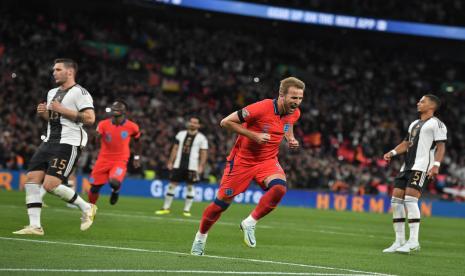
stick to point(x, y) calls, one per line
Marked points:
point(205, 256)
point(171, 271)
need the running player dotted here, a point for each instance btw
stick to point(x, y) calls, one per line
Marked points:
point(115, 134)
point(260, 127)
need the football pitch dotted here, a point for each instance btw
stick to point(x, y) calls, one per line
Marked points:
point(129, 239)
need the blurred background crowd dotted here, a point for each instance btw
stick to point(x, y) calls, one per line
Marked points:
point(361, 91)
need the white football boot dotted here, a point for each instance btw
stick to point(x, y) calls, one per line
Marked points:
point(409, 247)
point(249, 234)
point(391, 249)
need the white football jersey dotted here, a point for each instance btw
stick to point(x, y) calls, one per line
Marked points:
point(60, 129)
point(189, 147)
point(423, 136)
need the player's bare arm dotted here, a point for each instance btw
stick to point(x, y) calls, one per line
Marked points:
point(42, 110)
point(290, 138)
point(399, 149)
point(87, 117)
point(438, 157)
point(203, 160)
point(233, 123)
point(174, 150)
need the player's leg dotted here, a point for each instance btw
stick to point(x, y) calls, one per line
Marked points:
point(117, 174)
point(412, 194)
point(210, 215)
point(43, 192)
point(34, 179)
point(272, 179)
point(235, 180)
point(94, 192)
point(71, 182)
point(175, 177)
point(99, 177)
point(63, 159)
point(190, 192)
point(33, 204)
point(398, 215)
point(115, 185)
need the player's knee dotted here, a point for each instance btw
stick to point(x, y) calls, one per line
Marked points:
point(278, 186)
point(396, 200)
point(223, 204)
point(95, 189)
point(50, 186)
point(115, 184)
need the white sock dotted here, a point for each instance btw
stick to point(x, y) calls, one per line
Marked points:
point(189, 198)
point(169, 196)
point(201, 237)
point(398, 218)
point(81, 203)
point(250, 221)
point(71, 184)
point(69, 195)
point(42, 192)
point(413, 214)
point(33, 203)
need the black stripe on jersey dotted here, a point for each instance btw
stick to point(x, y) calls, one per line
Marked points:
point(440, 123)
point(83, 90)
point(54, 118)
point(85, 108)
point(412, 150)
point(186, 149)
point(82, 136)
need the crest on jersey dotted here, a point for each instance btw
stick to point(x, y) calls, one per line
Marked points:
point(415, 131)
point(266, 128)
point(119, 171)
point(286, 127)
point(124, 134)
point(229, 192)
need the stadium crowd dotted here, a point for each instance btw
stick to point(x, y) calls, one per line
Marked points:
point(359, 101)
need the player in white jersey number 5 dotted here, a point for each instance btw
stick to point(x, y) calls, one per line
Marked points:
point(69, 106)
point(424, 149)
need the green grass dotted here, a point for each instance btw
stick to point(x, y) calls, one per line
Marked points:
point(128, 236)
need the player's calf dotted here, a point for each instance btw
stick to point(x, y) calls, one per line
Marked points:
point(270, 200)
point(211, 214)
point(94, 193)
point(115, 185)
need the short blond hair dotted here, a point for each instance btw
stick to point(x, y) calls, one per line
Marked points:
point(289, 82)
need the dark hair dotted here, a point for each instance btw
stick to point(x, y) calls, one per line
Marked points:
point(194, 117)
point(69, 63)
point(119, 100)
point(434, 99)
